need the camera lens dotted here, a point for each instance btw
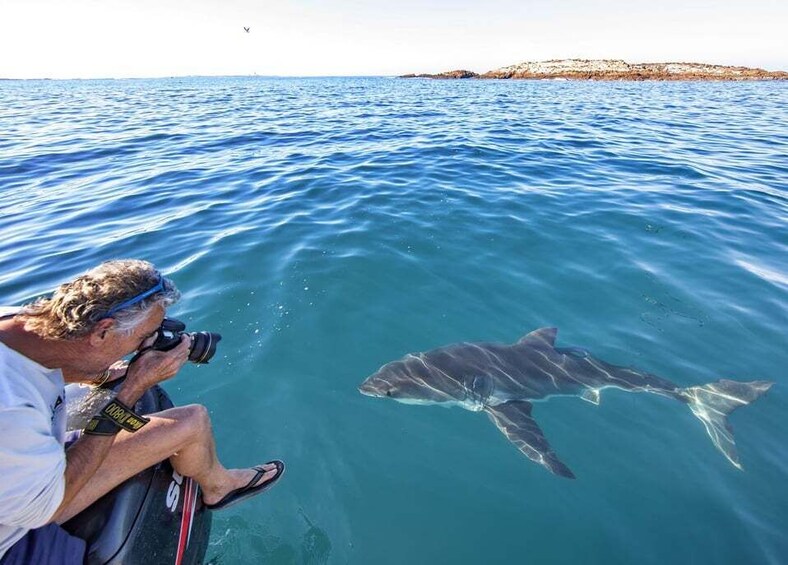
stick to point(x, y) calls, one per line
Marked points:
point(203, 346)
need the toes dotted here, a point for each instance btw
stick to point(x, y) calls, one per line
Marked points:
point(270, 473)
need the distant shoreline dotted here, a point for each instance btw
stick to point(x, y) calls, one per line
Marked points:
point(612, 69)
point(562, 69)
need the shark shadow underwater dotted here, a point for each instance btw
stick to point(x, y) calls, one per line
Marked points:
point(503, 380)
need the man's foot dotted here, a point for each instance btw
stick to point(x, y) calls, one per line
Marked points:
point(258, 479)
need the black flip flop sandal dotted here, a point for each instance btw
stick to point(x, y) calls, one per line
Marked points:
point(248, 491)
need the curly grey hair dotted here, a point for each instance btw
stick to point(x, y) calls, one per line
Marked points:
point(76, 307)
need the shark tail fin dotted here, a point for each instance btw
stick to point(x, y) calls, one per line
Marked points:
point(713, 402)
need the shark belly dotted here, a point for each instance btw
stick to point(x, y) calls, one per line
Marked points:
point(502, 398)
point(531, 384)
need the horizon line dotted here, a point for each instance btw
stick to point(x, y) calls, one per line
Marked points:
point(159, 77)
point(174, 76)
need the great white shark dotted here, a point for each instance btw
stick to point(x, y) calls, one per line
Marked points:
point(504, 380)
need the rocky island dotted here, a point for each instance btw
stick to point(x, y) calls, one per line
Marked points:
point(613, 69)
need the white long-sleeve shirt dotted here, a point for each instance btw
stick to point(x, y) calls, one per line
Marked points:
point(32, 457)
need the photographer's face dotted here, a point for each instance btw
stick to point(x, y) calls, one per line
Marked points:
point(111, 345)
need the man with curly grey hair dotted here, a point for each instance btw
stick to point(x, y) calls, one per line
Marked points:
point(76, 336)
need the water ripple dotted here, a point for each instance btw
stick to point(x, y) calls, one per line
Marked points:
point(326, 226)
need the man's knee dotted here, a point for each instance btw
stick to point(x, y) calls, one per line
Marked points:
point(183, 425)
point(196, 418)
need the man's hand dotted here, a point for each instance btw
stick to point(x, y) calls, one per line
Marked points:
point(151, 368)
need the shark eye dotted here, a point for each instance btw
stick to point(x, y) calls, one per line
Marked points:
point(388, 393)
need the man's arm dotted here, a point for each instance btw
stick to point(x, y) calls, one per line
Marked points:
point(87, 454)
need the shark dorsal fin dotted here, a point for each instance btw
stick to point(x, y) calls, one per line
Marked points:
point(540, 336)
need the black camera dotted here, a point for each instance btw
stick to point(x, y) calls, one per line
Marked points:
point(203, 344)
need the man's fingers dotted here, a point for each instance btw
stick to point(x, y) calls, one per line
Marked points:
point(186, 342)
point(180, 354)
point(154, 366)
point(183, 347)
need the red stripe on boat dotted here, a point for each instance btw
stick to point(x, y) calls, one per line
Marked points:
point(186, 520)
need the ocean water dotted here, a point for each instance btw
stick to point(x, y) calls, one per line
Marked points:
point(327, 226)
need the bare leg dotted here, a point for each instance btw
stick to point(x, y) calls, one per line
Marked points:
point(184, 435)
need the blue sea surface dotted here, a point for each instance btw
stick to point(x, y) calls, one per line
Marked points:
point(327, 226)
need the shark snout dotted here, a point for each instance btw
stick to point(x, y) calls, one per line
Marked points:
point(368, 388)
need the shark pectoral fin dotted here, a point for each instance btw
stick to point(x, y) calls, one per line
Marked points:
point(515, 421)
point(591, 395)
point(540, 336)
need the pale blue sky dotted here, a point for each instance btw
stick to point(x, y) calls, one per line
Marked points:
point(133, 38)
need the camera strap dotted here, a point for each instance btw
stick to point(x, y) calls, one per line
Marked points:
point(114, 417)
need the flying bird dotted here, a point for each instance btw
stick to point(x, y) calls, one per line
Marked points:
point(246, 29)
